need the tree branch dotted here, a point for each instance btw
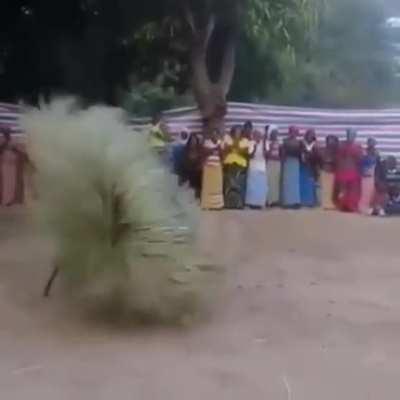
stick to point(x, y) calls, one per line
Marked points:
point(201, 38)
point(209, 29)
point(190, 18)
point(228, 66)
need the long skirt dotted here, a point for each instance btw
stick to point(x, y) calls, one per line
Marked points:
point(348, 191)
point(367, 195)
point(291, 182)
point(178, 154)
point(327, 181)
point(257, 188)
point(308, 187)
point(234, 186)
point(274, 182)
point(211, 193)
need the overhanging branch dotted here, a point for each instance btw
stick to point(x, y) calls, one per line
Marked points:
point(228, 66)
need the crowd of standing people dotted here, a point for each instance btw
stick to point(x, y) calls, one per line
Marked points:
point(248, 168)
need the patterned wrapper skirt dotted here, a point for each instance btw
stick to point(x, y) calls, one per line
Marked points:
point(234, 186)
point(349, 187)
point(327, 181)
point(274, 180)
point(291, 182)
point(257, 188)
point(211, 193)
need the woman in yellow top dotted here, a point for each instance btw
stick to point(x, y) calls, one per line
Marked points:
point(236, 150)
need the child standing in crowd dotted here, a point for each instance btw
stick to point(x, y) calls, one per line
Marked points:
point(211, 195)
point(257, 185)
point(291, 151)
point(273, 166)
point(348, 173)
point(369, 162)
point(236, 149)
point(327, 175)
point(308, 170)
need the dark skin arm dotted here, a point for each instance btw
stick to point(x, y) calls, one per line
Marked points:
point(253, 153)
point(265, 151)
point(283, 152)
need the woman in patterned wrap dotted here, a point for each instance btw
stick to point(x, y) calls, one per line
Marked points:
point(274, 167)
point(308, 170)
point(236, 149)
point(327, 160)
point(212, 194)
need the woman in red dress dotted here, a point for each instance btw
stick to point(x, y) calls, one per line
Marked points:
point(348, 177)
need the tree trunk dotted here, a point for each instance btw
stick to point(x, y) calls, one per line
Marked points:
point(210, 96)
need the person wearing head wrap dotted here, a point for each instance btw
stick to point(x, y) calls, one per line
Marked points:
point(308, 170)
point(291, 152)
point(327, 161)
point(236, 150)
point(348, 177)
point(274, 166)
point(369, 162)
point(212, 184)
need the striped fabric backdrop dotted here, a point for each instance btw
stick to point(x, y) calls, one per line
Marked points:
point(9, 115)
point(383, 124)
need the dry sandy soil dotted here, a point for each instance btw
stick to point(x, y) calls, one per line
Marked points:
point(311, 311)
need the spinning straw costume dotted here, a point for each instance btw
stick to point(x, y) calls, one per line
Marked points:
point(122, 230)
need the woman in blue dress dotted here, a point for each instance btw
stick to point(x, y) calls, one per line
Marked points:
point(291, 153)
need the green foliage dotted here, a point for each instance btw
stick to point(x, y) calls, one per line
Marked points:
point(148, 98)
point(320, 52)
point(347, 62)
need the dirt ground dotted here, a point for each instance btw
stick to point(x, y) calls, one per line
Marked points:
point(311, 311)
